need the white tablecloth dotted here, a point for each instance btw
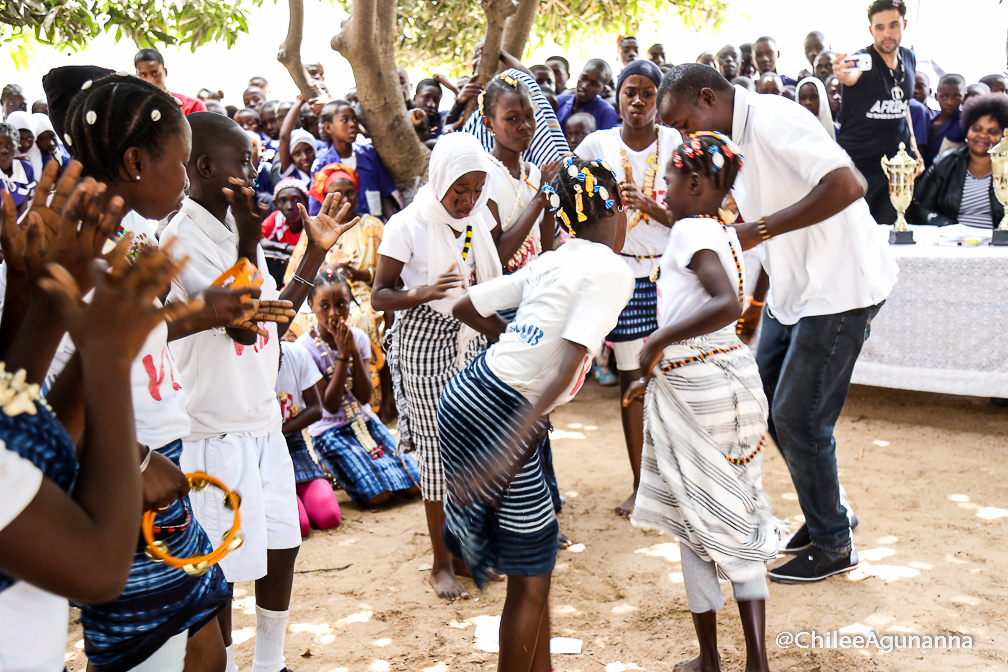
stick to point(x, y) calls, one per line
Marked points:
point(944, 328)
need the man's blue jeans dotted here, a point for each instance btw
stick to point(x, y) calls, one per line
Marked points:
point(806, 370)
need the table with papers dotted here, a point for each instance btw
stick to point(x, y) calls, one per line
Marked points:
point(943, 328)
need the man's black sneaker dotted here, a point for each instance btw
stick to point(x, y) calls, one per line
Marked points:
point(801, 539)
point(813, 565)
point(798, 542)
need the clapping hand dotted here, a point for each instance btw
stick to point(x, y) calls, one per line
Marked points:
point(122, 313)
point(50, 212)
point(324, 229)
point(247, 212)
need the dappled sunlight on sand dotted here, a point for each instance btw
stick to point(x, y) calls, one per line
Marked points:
point(668, 550)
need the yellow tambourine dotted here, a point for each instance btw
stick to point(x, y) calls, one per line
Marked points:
point(196, 565)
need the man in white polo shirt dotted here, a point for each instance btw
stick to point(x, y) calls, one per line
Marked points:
point(830, 272)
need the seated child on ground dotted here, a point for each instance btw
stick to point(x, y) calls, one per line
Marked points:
point(301, 406)
point(349, 439)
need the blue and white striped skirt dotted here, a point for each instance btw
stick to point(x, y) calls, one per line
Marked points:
point(159, 601)
point(362, 476)
point(477, 417)
point(640, 317)
point(306, 469)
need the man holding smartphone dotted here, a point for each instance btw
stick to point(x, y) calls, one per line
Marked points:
point(877, 85)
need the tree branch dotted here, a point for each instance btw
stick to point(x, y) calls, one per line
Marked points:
point(290, 51)
point(366, 40)
point(497, 13)
point(518, 26)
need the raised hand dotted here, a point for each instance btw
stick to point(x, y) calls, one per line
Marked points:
point(324, 229)
point(50, 212)
point(550, 171)
point(22, 242)
point(265, 311)
point(633, 198)
point(247, 212)
point(86, 224)
point(122, 313)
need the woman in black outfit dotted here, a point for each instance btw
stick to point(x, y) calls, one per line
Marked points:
point(957, 187)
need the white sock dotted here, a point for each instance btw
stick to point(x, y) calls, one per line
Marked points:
point(232, 666)
point(271, 628)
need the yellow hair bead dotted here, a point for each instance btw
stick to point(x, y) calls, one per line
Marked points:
point(579, 202)
point(566, 220)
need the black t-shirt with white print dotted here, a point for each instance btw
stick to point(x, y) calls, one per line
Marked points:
point(873, 112)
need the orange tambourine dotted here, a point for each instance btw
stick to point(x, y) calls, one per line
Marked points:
point(196, 565)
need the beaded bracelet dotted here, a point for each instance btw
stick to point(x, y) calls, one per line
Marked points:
point(761, 228)
point(196, 565)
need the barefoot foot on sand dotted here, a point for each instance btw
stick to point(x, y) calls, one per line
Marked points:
point(446, 584)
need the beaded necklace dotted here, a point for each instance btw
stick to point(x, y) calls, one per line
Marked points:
point(649, 179)
point(468, 243)
point(656, 273)
point(351, 407)
point(530, 243)
point(738, 265)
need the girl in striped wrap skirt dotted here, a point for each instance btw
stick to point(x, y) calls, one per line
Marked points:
point(705, 411)
point(493, 414)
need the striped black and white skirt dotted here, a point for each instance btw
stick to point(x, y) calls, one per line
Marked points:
point(423, 356)
point(640, 316)
point(477, 419)
point(704, 432)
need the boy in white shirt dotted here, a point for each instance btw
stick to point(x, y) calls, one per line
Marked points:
point(801, 197)
point(229, 377)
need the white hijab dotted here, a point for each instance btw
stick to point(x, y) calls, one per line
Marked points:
point(24, 122)
point(454, 155)
point(825, 116)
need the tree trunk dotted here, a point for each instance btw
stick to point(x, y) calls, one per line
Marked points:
point(366, 40)
point(290, 51)
point(497, 13)
point(518, 26)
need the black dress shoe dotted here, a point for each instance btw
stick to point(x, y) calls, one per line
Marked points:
point(813, 564)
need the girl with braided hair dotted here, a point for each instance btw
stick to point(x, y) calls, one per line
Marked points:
point(705, 411)
point(348, 437)
point(132, 136)
point(638, 151)
point(492, 415)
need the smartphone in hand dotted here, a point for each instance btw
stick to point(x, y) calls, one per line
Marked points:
point(862, 62)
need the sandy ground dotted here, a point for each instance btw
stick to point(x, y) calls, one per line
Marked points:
point(926, 474)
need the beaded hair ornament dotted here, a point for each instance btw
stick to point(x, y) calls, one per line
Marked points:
point(693, 149)
point(91, 116)
point(507, 79)
point(591, 187)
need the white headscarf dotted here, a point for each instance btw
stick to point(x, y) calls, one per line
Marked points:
point(825, 116)
point(24, 122)
point(454, 155)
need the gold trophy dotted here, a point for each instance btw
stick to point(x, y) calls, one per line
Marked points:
point(999, 179)
point(901, 171)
